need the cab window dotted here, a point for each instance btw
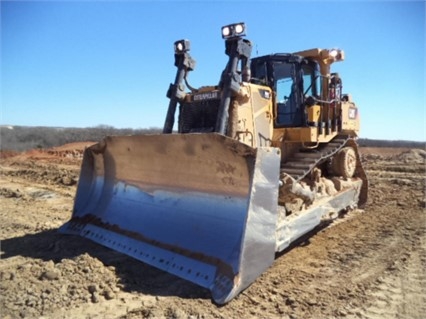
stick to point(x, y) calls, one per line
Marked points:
point(288, 110)
point(311, 79)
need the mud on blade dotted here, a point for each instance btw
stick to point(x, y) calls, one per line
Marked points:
point(200, 206)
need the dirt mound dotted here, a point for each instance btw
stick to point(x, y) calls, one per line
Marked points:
point(43, 173)
point(71, 150)
point(383, 151)
point(79, 146)
point(400, 155)
point(412, 156)
point(7, 154)
point(50, 286)
point(71, 153)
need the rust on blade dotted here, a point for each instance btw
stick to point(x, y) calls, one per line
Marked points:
point(208, 163)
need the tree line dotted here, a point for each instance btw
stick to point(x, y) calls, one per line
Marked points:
point(22, 138)
point(365, 142)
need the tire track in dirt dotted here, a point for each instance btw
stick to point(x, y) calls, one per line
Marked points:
point(401, 292)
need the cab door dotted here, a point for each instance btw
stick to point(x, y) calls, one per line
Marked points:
point(287, 83)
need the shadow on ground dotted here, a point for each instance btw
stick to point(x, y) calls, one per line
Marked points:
point(134, 275)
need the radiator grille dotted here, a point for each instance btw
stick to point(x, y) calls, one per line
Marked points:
point(198, 116)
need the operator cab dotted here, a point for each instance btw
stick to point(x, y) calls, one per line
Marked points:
point(293, 78)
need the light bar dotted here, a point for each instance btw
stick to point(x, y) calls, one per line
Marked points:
point(233, 30)
point(182, 46)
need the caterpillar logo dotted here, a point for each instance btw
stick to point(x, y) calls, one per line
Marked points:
point(206, 96)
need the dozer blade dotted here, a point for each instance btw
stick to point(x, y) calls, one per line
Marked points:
point(200, 206)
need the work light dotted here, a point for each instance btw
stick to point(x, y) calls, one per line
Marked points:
point(336, 54)
point(182, 46)
point(233, 30)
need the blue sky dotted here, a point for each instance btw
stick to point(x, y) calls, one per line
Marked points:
point(82, 64)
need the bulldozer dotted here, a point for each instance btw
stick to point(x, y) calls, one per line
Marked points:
point(254, 163)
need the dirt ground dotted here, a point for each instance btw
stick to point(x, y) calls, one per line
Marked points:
point(369, 264)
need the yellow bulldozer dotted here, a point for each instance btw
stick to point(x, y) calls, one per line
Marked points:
point(255, 162)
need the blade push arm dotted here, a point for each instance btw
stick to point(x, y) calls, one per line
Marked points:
point(176, 92)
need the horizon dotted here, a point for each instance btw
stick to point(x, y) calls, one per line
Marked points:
point(100, 126)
